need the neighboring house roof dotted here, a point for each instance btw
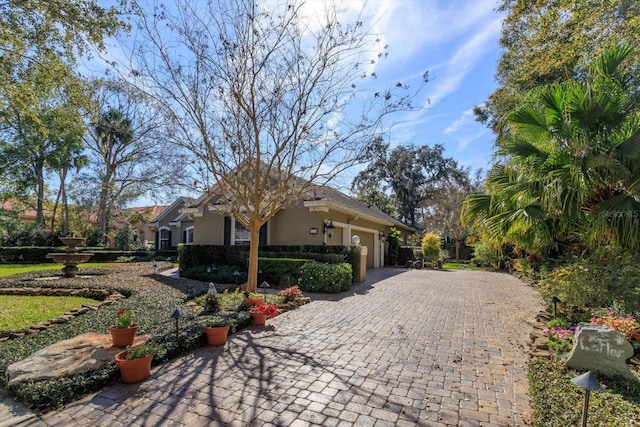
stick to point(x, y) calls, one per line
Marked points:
point(163, 215)
point(323, 198)
point(23, 211)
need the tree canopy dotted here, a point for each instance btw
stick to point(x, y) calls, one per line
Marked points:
point(405, 178)
point(555, 41)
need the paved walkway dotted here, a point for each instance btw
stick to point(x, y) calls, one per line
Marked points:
point(420, 347)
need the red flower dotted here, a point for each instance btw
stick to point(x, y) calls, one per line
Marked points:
point(269, 309)
point(119, 312)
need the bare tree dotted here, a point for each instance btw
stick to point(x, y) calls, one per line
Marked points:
point(271, 100)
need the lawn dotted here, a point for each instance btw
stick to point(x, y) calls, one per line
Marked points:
point(21, 311)
point(462, 266)
point(11, 269)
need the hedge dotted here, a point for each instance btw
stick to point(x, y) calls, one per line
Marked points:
point(193, 256)
point(38, 254)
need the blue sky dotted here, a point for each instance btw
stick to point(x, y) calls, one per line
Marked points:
point(456, 41)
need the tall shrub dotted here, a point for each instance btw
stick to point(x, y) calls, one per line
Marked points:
point(431, 246)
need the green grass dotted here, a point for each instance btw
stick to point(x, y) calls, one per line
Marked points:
point(11, 269)
point(461, 266)
point(22, 311)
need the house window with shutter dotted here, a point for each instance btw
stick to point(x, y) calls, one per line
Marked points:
point(165, 238)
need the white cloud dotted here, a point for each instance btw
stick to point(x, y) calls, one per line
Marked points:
point(465, 129)
point(463, 60)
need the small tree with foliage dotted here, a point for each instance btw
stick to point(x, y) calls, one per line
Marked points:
point(393, 239)
point(431, 247)
point(126, 239)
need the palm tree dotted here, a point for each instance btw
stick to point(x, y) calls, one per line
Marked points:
point(571, 169)
point(113, 135)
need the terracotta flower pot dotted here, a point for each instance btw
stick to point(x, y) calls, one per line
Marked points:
point(259, 319)
point(134, 370)
point(123, 337)
point(217, 335)
point(253, 301)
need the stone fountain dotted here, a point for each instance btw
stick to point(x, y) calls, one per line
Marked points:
point(70, 258)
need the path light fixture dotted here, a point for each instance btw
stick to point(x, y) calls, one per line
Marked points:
point(589, 383)
point(155, 266)
point(177, 315)
point(236, 274)
point(555, 300)
point(264, 285)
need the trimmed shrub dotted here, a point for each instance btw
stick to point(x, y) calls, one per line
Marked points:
point(431, 246)
point(190, 256)
point(319, 277)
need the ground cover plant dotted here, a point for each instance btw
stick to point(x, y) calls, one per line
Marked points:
point(556, 401)
point(21, 311)
point(153, 298)
point(600, 287)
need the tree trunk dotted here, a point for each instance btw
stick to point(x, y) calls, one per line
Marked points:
point(40, 191)
point(252, 277)
point(457, 249)
point(103, 207)
point(65, 204)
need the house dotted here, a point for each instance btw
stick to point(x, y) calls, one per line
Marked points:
point(171, 226)
point(325, 216)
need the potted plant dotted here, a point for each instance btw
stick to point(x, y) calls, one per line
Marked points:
point(217, 330)
point(123, 332)
point(253, 298)
point(260, 313)
point(135, 363)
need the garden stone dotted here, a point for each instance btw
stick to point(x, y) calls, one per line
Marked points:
point(79, 354)
point(600, 349)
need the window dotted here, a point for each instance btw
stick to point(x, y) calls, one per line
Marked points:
point(165, 238)
point(188, 235)
point(241, 236)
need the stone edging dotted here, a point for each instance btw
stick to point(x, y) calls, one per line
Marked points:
point(103, 297)
point(539, 342)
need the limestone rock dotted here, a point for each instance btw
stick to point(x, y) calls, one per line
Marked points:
point(600, 349)
point(82, 353)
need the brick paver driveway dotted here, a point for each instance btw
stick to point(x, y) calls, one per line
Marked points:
point(420, 347)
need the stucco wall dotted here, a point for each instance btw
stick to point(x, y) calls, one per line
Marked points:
point(208, 229)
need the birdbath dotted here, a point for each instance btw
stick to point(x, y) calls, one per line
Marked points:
point(70, 257)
